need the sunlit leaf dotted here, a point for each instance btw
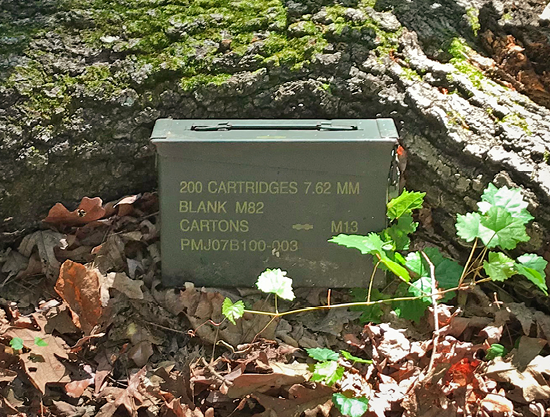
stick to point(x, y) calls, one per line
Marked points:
point(495, 228)
point(499, 267)
point(350, 406)
point(499, 228)
point(232, 311)
point(495, 350)
point(467, 226)
point(40, 342)
point(509, 199)
point(397, 269)
point(532, 267)
point(322, 354)
point(16, 343)
point(327, 372)
point(422, 287)
point(417, 264)
point(405, 204)
point(398, 233)
point(352, 358)
point(369, 244)
point(275, 281)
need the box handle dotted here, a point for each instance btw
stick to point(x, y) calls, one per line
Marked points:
point(229, 126)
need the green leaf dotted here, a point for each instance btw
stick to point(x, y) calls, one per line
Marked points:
point(40, 342)
point(16, 343)
point(352, 407)
point(327, 372)
point(405, 204)
point(322, 354)
point(532, 266)
point(421, 287)
point(232, 311)
point(372, 313)
point(369, 244)
point(495, 350)
point(394, 267)
point(398, 233)
point(495, 228)
point(352, 358)
point(499, 228)
point(274, 281)
point(417, 264)
point(509, 199)
point(499, 267)
point(412, 309)
point(467, 226)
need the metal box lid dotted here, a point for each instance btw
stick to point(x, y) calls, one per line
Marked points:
point(240, 196)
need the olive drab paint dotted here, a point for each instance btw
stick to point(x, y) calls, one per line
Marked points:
point(240, 196)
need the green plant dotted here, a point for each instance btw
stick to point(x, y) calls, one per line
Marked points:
point(426, 276)
point(17, 343)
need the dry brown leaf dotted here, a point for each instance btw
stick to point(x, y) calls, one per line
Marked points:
point(14, 263)
point(45, 241)
point(141, 352)
point(41, 363)
point(543, 324)
point(531, 382)
point(299, 399)
point(79, 287)
point(63, 409)
point(390, 343)
point(89, 210)
point(523, 314)
point(241, 384)
point(176, 408)
point(120, 282)
point(528, 348)
point(127, 397)
point(7, 376)
point(76, 388)
point(110, 255)
point(495, 403)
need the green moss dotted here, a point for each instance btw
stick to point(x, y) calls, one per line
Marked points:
point(179, 40)
point(516, 120)
point(189, 84)
point(473, 18)
point(546, 157)
point(411, 74)
point(506, 17)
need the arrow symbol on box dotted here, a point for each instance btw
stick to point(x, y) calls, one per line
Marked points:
point(306, 226)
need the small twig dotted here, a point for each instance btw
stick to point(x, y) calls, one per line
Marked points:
point(435, 337)
point(168, 328)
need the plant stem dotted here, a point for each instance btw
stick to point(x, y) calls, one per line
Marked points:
point(372, 280)
point(435, 337)
point(465, 269)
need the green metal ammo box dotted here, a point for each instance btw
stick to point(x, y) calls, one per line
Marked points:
point(240, 196)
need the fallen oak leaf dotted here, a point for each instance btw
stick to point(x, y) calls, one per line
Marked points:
point(41, 363)
point(89, 210)
point(80, 288)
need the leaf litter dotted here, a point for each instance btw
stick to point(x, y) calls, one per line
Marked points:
point(113, 340)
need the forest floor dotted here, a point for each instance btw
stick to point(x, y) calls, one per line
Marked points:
point(87, 329)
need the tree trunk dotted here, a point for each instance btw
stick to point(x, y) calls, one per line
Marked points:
point(82, 82)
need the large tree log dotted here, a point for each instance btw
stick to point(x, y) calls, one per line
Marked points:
point(82, 82)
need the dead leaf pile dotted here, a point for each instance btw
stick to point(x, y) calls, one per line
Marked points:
point(112, 341)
